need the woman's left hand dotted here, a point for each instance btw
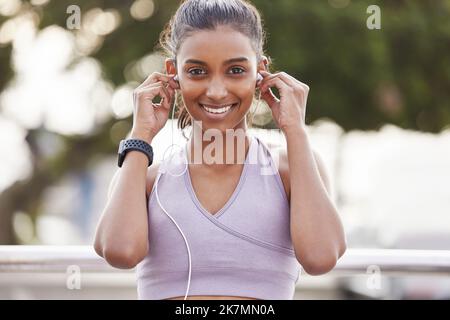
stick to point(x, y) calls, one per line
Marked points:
point(290, 110)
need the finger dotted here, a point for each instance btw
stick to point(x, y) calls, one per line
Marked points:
point(290, 80)
point(264, 74)
point(268, 77)
point(171, 90)
point(267, 94)
point(269, 97)
point(171, 95)
point(282, 87)
point(150, 92)
point(165, 99)
point(299, 88)
point(157, 76)
point(172, 83)
point(140, 90)
point(167, 102)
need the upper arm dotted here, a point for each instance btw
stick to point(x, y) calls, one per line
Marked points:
point(284, 170)
point(152, 172)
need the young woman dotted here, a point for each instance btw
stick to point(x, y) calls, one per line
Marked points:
point(235, 231)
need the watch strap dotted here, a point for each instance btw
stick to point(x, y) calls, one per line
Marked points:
point(137, 145)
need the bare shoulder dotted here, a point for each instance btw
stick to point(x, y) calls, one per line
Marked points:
point(152, 172)
point(279, 153)
point(283, 167)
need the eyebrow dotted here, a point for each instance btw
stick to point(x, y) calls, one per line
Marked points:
point(195, 61)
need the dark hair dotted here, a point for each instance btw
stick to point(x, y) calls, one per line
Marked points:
point(194, 15)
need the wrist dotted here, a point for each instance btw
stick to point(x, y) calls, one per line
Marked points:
point(294, 131)
point(142, 135)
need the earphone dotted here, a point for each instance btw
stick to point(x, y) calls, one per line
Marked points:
point(161, 170)
point(259, 77)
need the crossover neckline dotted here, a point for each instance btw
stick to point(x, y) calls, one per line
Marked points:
point(233, 196)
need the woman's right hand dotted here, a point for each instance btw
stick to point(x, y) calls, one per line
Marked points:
point(148, 117)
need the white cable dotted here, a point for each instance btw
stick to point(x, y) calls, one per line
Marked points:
point(187, 245)
point(162, 171)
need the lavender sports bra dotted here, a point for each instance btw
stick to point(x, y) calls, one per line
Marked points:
point(244, 249)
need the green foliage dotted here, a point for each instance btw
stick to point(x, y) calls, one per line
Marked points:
point(358, 77)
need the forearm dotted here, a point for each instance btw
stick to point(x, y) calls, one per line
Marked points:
point(125, 212)
point(123, 227)
point(316, 229)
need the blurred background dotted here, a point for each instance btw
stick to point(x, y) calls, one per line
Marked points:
point(378, 112)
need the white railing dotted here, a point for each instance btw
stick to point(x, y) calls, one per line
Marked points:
point(58, 258)
point(44, 272)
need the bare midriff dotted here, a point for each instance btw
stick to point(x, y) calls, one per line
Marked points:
point(212, 298)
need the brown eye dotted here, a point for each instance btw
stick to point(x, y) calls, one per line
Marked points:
point(237, 68)
point(194, 74)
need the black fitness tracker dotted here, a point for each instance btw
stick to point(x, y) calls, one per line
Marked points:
point(134, 144)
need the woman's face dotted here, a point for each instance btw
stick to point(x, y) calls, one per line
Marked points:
point(217, 69)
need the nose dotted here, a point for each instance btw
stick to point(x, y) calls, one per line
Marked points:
point(217, 90)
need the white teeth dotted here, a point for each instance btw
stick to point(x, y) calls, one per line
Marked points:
point(220, 110)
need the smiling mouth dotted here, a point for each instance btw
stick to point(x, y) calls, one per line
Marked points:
point(217, 110)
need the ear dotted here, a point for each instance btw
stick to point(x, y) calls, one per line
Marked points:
point(263, 64)
point(170, 66)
